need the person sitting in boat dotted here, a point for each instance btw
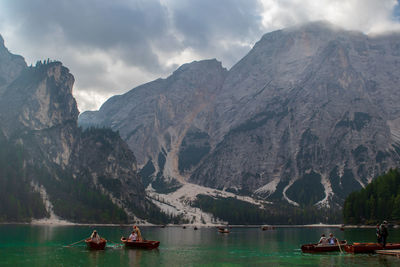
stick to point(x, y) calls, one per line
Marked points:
point(332, 240)
point(133, 236)
point(323, 240)
point(95, 237)
point(137, 231)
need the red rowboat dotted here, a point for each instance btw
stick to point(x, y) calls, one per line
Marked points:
point(223, 231)
point(96, 245)
point(369, 247)
point(147, 244)
point(311, 248)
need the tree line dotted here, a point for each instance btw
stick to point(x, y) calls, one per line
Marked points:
point(18, 202)
point(236, 211)
point(378, 201)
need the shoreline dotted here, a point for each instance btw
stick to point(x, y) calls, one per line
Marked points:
point(67, 223)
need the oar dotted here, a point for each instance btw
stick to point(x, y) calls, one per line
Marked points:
point(116, 244)
point(338, 241)
point(75, 243)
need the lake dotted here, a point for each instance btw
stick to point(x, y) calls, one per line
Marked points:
point(26, 245)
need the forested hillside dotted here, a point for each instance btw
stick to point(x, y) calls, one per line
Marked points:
point(17, 201)
point(380, 200)
point(236, 211)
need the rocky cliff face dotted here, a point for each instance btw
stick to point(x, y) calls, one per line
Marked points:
point(156, 117)
point(307, 116)
point(10, 66)
point(39, 114)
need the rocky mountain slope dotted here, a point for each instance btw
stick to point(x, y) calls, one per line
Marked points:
point(157, 118)
point(82, 176)
point(307, 116)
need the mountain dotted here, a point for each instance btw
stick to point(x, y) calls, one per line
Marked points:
point(309, 115)
point(49, 166)
point(157, 118)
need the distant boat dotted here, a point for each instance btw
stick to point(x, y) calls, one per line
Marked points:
point(223, 231)
point(311, 248)
point(146, 244)
point(93, 245)
point(195, 228)
point(184, 227)
point(264, 228)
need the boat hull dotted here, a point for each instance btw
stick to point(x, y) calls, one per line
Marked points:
point(96, 245)
point(369, 247)
point(145, 244)
point(318, 248)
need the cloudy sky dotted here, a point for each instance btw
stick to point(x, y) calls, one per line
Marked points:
point(112, 46)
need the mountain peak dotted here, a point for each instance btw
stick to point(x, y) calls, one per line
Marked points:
point(40, 98)
point(200, 65)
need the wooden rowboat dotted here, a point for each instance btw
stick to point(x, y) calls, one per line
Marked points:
point(96, 245)
point(369, 247)
point(264, 228)
point(223, 231)
point(312, 248)
point(146, 244)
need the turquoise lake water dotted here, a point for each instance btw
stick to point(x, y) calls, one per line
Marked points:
point(25, 245)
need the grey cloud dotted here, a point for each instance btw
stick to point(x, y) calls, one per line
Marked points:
point(131, 30)
point(106, 25)
point(201, 21)
point(205, 23)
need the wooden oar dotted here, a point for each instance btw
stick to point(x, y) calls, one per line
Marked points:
point(119, 244)
point(338, 241)
point(75, 243)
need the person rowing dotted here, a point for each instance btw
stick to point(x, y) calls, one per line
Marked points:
point(323, 240)
point(95, 237)
point(133, 236)
point(137, 231)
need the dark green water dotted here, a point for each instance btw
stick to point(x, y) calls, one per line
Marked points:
point(24, 245)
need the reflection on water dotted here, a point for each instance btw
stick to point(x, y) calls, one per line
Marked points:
point(43, 246)
point(95, 257)
point(134, 256)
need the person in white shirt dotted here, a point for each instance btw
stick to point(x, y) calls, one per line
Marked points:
point(133, 236)
point(323, 240)
point(95, 237)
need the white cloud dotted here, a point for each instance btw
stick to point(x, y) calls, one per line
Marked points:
point(367, 16)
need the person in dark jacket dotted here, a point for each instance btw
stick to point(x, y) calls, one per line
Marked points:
point(384, 233)
point(378, 233)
